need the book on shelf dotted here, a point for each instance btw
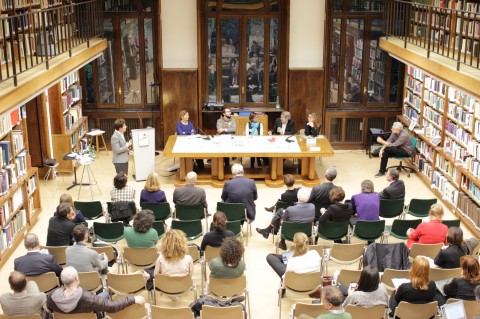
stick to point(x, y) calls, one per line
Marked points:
point(21, 162)
point(5, 150)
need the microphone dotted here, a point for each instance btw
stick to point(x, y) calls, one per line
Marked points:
point(288, 139)
point(206, 138)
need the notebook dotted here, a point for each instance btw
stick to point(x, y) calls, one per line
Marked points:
point(454, 310)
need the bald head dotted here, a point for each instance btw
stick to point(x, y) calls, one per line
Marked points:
point(17, 281)
point(191, 178)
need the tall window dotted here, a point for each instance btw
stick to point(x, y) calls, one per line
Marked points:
point(243, 52)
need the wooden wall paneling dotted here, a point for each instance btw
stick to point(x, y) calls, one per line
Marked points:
point(38, 134)
point(306, 94)
point(57, 124)
point(179, 91)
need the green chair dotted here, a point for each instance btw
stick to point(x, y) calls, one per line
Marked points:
point(333, 230)
point(235, 211)
point(399, 228)
point(90, 210)
point(235, 226)
point(400, 166)
point(281, 204)
point(452, 222)
point(189, 212)
point(318, 207)
point(369, 230)
point(191, 228)
point(391, 208)
point(161, 211)
point(108, 232)
point(133, 209)
point(289, 229)
point(159, 226)
point(420, 207)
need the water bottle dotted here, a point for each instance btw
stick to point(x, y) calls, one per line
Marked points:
point(278, 102)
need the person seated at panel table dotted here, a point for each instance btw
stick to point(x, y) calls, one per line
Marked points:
point(283, 125)
point(255, 128)
point(185, 127)
point(312, 127)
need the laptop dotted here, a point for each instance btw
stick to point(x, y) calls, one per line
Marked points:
point(454, 310)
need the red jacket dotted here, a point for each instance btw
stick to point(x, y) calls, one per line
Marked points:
point(432, 232)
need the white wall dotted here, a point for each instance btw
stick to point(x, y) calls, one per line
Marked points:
point(307, 29)
point(179, 33)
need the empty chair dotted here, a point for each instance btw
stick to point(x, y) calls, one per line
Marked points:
point(209, 312)
point(134, 311)
point(391, 208)
point(186, 212)
point(173, 286)
point(161, 211)
point(289, 229)
point(235, 226)
point(369, 230)
point(333, 230)
point(191, 228)
point(346, 254)
point(312, 310)
point(142, 258)
point(357, 312)
point(305, 283)
point(429, 250)
point(472, 308)
point(159, 226)
point(389, 274)
point(346, 276)
point(90, 281)
point(159, 312)
point(88, 315)
point(46, 282)
point(437, 274)
point(58, 253)
point(126, 284)
point(109, 232)
point(451, 222)
point(399, 228)
point(228, 288)
point(420, 207)
point(90, 210)
point(406, 310)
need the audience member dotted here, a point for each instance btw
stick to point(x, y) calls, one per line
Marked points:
point(312, 127)
point(121, 195)
point(332, 299)
point(190, 194)
point(337, 211)
point(226, 123)
point(290, 195)
point(398, 144)
point(302, 212)
point(71, 298)
point(152, 193)
point(464, 288)
point(230, 263)
point(366, 205)
point(173, 259)
point(60, 226)
point(35, 263)
point(26, 299)
point(185, 127)
point(67, 198)
point(82, 258)
point(320, 194)
point(396, 189)
point(241, 190)
point(120, 147)
point(283, 125)
point(449, 256)
point(255, 128)
point(370, 292)
point(215, 237)
point(431, 232)
point(142, 235)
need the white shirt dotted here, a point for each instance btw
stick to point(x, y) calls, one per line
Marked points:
point(309, 262)
point(284, 126)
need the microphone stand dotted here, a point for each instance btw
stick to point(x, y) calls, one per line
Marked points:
point(206, 138)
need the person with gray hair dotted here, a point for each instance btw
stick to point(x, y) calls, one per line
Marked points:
point(332, 300)
point(283, 125)
point(396, 189)
point(35, 263)
point(71, 298)
point(398, 144)
point(320, 195)
point(241, 190)
point(301, 212)
point(190, 194)
point(366, 205)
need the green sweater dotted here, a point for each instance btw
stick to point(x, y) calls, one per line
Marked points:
point(140, 240)
point(344, 315)
point(219, 270)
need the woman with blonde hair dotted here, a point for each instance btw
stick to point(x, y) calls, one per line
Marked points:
point(67, 198)
point(431, 232)
point(419, 290)
point(464, 288)
point(173, 259)
point(152, 193)
point(312, 127)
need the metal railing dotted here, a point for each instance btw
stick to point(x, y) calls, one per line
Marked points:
point(452, 32)
point(36, 36)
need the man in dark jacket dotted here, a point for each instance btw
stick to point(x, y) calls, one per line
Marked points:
point(73, 299)
point(320, 195)
point(35, 263)
point(60, 226)
point(396, 189)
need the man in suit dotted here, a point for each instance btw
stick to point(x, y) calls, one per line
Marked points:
point(190, 194)
point(26, 299)
point(241, 190)
point(284, 125)
point(320, 195)
point(82, 258)
point(120, 147)
point(35, 263)
point(396, 189)
point(60, 226)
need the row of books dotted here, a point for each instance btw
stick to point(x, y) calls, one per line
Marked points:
point(448, 191)
point(68, 80)
point(18, 143)
point(72, 95)
point(460, 115)
point(458, 132)
point(11, 229)
point(469, 209)
point(31, 186)
point(72, 117)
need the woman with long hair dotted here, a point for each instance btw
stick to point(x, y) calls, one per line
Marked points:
point(152, 193)
point(312, 127)
point(230, 263)
point(215, 237)
point(173, 259)
point(370, 292)
point(142, 235)
point(450, 256)
point(464, 288)
point(431, 232)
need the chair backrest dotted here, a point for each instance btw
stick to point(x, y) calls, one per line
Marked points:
point(211, 252)
point(172, 284)
point(36, 316)
point(357, 312)
point(282, 204)
point(406, 310)
point(90, 210)
point(109, 232)
point(194, 252)
point(318, 248)
point(391, 208)
point(191, 228)
point(235, 226)
point(346, 276)
point(90, 281)
point(414, 144)
point(177, 313)
point(318, 207)
point(161, 211)
point(140, 257)
point(233, 211)
point(227, 287)
point(472, 308)
point(312, 310)
point(333, 230)
point(125, 284)
point(420, 207)
point(159, 226)
point(429, 250)
point(441, 274)
point(451, 222)
point(369, 229)
point(58, 253)
point(188, 212)
point(108, 250)
point(45, 282)
point(88, 315)
point(389, 274)
point(303, 283)
point(400, 227)
point(289, 229)
point(209, 312)
point(134, 311)
point(347, 252)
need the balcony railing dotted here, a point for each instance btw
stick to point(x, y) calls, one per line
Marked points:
point(35, 37)
point(452, 32)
